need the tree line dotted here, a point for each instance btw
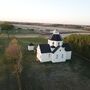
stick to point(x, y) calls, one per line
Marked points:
point(6, 27)
point(80, 44)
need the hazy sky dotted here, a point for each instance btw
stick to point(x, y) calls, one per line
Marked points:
point(47, 11)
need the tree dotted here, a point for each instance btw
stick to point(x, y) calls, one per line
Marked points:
point(6, 27)
point(14, 56)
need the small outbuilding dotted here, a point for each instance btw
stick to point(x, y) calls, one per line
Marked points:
point(31, 47)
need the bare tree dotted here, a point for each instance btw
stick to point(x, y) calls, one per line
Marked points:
point(14, 56)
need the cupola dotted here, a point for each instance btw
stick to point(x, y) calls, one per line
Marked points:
point(55, 39)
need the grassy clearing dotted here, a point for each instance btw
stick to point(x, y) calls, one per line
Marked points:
point(7, 80)
point(71, 75)
point(21, 31)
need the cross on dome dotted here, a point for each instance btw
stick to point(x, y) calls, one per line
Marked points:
point(55, 32)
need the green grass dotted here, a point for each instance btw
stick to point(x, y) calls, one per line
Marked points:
point(37, 40)
point(71, 75)
point(21, 31)
point(7, 80)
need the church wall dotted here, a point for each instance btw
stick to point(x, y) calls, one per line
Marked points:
point(59, 56)
point(68, 55)
point(38, 53)
point(55, 43)
point(45, 57)
point(30, 48)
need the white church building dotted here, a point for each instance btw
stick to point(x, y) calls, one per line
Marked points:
point(55, 51)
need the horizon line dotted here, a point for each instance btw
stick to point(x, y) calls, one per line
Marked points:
point(38, 22)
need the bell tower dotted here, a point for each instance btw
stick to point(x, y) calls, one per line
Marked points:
point(55, 39)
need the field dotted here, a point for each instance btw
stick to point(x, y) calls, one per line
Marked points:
point(71, 75)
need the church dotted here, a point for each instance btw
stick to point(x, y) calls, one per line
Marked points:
point(55, 51)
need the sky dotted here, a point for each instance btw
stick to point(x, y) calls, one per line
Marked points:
point(46, 11)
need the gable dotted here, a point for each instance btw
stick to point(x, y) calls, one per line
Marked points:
point(55, 49)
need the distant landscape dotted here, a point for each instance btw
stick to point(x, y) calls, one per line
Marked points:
point(52, 25)
point(47, 29)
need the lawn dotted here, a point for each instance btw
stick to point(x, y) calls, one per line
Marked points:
point(21, 31)
point(7, 80)
point(71, 75)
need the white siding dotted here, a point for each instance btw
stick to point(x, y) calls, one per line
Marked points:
point(55, 43)
point(59, 56)
point(52, 49)
point(39, 56)
point(46, 57)
point(38, 53)
point(30, 48)
point(43, 57)
point(68, 55)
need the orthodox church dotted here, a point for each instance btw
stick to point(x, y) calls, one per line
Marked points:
point(55, 51)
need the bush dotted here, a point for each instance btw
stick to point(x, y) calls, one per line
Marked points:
point(80, 44)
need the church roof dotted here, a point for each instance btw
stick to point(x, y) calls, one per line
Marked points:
point(55, 49)
point(67, 46)
point(52, 46)
point(56, 37)
point(31, 44)
point(45, 48)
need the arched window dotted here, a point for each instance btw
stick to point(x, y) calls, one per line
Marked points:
point(62, 55)
point(53, 43)
point(57, 56)
point(58, 43)
point(49, 55)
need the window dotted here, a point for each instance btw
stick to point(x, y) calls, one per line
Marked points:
point(53, 43)
point(58, 44)
point(62, 55)
point(49, 55)
point(57, 56)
